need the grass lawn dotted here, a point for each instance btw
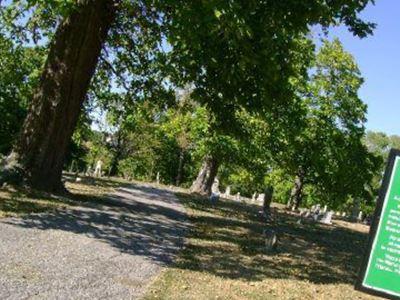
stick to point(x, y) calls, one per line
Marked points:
point(224, 257)
point(15, 201)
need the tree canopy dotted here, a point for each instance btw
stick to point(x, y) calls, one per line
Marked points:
point(236, 89)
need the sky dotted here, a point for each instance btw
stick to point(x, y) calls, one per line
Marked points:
point(378, 57)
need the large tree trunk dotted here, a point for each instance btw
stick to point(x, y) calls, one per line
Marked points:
point(39, 152)
point(205, 178)
point(180, 167)
point(296, 195)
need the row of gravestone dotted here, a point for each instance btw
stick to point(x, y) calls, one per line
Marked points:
point(227, 194)
point(96, 172)
point(315, 213)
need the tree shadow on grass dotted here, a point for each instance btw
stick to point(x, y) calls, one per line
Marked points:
point(227, 241)
point(103, 182)
point(137, 220)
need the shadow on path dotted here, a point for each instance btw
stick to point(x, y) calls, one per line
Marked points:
point(137, 220)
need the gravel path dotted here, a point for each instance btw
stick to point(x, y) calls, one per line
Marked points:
point(110, 251)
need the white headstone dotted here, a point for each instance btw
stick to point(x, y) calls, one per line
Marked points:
point(325, 209)
point(253, 198)
point(215, 186)
point(89, 171)
point(97, 169)
point(271, 239)
point(237, 196)
point(228, 191)
point(261, 197)
point(360, 216)
point(158, 178)
point(327, 217)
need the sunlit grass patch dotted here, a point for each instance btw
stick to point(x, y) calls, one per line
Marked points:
point(17, 201)
point(224, 257)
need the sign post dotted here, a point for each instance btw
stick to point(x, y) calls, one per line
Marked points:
point(380, 271)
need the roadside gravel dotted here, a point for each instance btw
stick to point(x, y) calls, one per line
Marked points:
point(108, 251)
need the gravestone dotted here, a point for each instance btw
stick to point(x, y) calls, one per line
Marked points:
point(325, 209)
point(215, 186)
point(261, 197)
point(214, 198)
point(327, 217)
point(253, 197)
point(89, 171)
point(237, 197)
point(271, 240)
point(228, 191)
point(360, 217)
point(307, 213)
point(315, 212)
point(97, 169)
point(158, 178)
point(304, 214)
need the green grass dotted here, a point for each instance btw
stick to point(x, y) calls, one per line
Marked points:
point(224, 257)
point(19, 201)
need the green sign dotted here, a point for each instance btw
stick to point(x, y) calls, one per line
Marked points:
point(380, 273)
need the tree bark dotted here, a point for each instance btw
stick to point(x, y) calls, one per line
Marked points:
point(117, 155)
point(269, 192)
point(180, 167)
point(205, 178)
point(296, 195)
point(39, 152)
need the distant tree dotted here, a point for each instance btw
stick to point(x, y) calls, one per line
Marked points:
point(329, 153)
point(379, 144)
point(187, 124)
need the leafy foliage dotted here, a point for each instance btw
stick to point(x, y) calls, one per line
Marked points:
point(257, 98)
point(19, 75)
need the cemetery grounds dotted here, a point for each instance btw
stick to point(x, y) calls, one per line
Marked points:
point(223, 256)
